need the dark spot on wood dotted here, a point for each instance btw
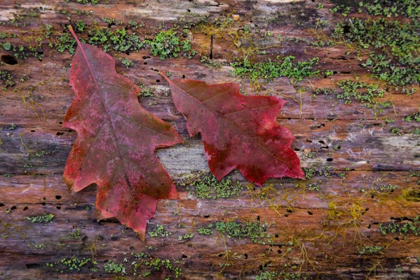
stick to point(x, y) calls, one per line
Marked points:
point(13, 208)
point(289, 211)
point(1, 204)
point(329, 159)
point(32, 130)
point(279, 251)
point(9, 59)
point(25, 208)
point(310, 213)
point(246, 256)
point(58, 207)
point(58, 197)
point(157, 81)
point(32, 265)
point(184, 257)
point(59, 133)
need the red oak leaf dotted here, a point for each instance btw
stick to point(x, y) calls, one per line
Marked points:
point(238, 131)
point(115, 144)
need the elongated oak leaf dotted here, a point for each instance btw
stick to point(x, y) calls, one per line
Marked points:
point(238, 131)
point(115, 144)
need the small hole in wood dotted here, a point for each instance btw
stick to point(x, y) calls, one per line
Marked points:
point(329, 159)
point(32, 130)
point(9, 59)
point(26, 208)
point(310, 213)
point(58, 207)
point(58, 197)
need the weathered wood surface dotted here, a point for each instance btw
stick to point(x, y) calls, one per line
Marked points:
point(316, 234)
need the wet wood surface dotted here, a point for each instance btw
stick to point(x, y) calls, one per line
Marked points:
point(314, 233)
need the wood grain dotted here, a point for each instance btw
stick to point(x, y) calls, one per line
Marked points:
point(314, 234)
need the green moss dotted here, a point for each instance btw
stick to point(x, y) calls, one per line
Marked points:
point(404, 228)
point(311, 172)
point(126, 62)
point(114, 268)
point(268, 70)
point(412, 118)
point(167, 44)
point(267, 275)
point(206, 230)
point(6, 79)
point(73, 235)
point(369, 250)
point(387, 188)
point(73, 264)
point(44, 218)
point(159, 230)
point(118, 40)
point(363, 92)
point(392, 8)
point(239, 230)
point(208, 187)
point(186, 236)
point(395, 57)
point(85, 2)
point(343, 9)
point(145, 260)
point(65, 42)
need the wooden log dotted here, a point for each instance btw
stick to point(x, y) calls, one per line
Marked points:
point(355, 217)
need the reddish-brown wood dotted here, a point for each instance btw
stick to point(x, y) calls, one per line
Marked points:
point(316, 234)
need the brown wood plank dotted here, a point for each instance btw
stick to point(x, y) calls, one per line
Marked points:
point(361, 171)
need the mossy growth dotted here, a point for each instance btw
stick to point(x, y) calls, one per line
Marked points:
point(392, 8)
point(206, 230)
point(412, 118)
point(6, 79)
point(370, 250)
point(208, 187)
point(239, 230)
point(403, 228)
point(143, 259)
point(159, 230)
point(395, 59)
point(167, 44)
point(281, 67)
point(126, 62)
point(85, 2)
point(75, 264)
point(44, 218)
point(114, 268)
